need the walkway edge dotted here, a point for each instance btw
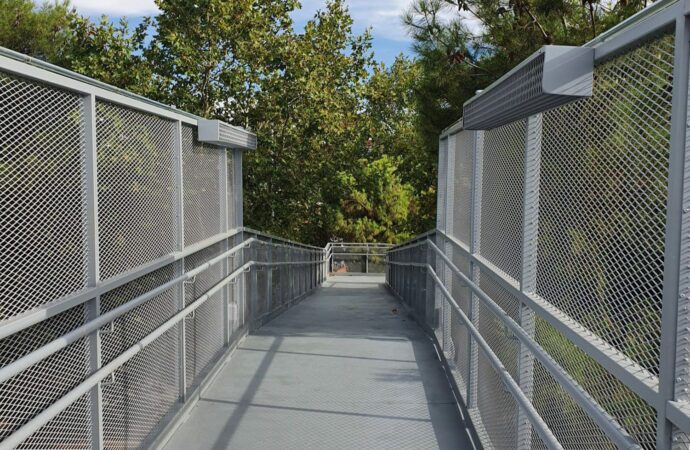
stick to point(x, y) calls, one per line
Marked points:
point(464, 412)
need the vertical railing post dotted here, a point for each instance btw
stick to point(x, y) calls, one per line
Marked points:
point(447, 246)
point(224, 226)
point(240, 296)
point(93, 306)
point(676, 289)
point(475, 227)
point(269, 278)
point(441, 225)
point(528, 279)
point(179, 265)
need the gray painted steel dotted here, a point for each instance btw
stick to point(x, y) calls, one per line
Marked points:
point(344, 369)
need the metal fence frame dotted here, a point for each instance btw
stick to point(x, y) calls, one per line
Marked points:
point(236, 265)
point(431, 260)
point(369, 252)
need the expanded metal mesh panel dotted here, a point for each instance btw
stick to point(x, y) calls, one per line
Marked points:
point(441, 188)
point(507, 301)
point(460, 340)
point(502, 197)
point(603, 201)
point(494, 331)
point(28, 393)
point(233, 220)
point(142, 392)
point(201, 187)
point(497, 408)
point(197, 286)
point(462, 186)
point(131, 327)
point(613, 396)
point(42, 220)
point(506, 102)
point(571, 425)
point(136, 209)
point(71, 429)
point(203, 338)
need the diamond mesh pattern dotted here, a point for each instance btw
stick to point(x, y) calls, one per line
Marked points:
point(143, 391)
point(462, 186)
point(441, 192)
point(25, 395)
point(204, 338)
point(504, 103)
point(613, 396)
point(71, 429)
point(497, 408)
point(603, 198)
point(233, 221)
point(136, 209)
point(131, 327)
point(200, 170)
point(204, 281)
point(42, 219)
point(502, 197)
point(572, 426)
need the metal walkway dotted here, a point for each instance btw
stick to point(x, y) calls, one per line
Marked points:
point(343, 369)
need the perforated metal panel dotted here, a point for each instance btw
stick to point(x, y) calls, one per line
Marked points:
point(502, 197)
point(42, 219)
point(603, 201)
point(201, 187)
point(135, 188)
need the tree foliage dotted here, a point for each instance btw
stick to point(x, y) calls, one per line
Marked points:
point(322, 108)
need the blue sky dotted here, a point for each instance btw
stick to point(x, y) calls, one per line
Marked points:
point(383, 16)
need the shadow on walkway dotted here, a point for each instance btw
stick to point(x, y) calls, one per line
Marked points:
point(343, 369)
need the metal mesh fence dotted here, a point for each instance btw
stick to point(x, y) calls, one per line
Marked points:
point(32, 390)
point(108, 320)
point(603, 201)
point(502, 195)
point(462, 186)
point(563, 224)
point(42, 219)
point(202, 196)
point(136, 210)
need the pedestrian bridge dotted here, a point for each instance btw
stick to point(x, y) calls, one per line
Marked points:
point(345, 368)
point(548, 308)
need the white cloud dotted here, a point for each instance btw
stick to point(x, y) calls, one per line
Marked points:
point(383, 16)
point(116, 7)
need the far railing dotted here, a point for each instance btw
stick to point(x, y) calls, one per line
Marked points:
point(356, 257)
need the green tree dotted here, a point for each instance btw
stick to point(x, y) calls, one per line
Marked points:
point(42, 31)
point(375, 204)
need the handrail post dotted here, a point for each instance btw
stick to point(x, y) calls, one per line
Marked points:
point(92, 309)
point(179, 266)
point(475, 226)
point(528, 278)
point(224, 226)
point(447, 246)
point(676, 290)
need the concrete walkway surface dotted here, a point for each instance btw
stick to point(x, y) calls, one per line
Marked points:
point(344, 369)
